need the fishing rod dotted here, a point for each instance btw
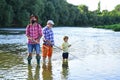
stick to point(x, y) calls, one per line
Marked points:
point(57, 47)
point(69, 53)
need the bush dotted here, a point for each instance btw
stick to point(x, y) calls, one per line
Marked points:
point(115, 27)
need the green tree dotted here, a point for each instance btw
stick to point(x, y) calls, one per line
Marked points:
point(8, 15)
point(2, 8)
point(62, 12)
point(99, 6)
point(83, 8)
point(72, 17)
point(49, 11)
point(83, 14)
point(117, 8)
point(23, 18)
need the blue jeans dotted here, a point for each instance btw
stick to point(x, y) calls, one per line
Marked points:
point(36, 47)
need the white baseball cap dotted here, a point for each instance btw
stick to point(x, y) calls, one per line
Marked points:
point(50, 22)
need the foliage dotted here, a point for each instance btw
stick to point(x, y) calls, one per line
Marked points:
point(15, 13)
point(115, 27)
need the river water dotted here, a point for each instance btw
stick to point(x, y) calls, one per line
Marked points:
point(94, 55)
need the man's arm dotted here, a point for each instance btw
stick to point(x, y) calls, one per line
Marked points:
point(27, 31)
point(40, 31)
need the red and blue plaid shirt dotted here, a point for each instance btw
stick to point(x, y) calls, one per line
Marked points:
point(34, 32)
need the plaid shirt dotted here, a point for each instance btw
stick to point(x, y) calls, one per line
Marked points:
point(34, 32)
point(48, 36)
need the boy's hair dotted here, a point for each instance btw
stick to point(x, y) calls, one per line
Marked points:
point(65, 37)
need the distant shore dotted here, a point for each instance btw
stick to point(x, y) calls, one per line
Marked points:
point(114, 27)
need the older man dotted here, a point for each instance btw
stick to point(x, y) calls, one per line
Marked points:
point(48, 35)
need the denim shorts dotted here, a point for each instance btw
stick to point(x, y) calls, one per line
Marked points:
point(35, 47)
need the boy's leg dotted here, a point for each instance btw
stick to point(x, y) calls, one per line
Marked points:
point(37, 48)
point(63, 55)
point(67, 54)
point(30, 49)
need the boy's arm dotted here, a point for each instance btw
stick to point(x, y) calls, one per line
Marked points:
point(69, 45)
point(63, 46)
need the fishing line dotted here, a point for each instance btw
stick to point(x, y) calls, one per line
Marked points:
point(69, 53)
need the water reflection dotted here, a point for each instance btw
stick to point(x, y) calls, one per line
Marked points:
point(65, 70)
point(30, 73)
point(47, 71)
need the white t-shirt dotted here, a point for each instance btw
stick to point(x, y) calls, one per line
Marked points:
point(65, 46)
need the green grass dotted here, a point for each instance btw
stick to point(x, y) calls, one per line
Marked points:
point(114, 27)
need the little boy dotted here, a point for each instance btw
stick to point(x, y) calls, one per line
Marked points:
point(65, 47)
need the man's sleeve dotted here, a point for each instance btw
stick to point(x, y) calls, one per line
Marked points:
point(27, 31)
point(40, 30)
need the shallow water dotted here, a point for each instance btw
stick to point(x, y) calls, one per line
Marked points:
point(94, 55)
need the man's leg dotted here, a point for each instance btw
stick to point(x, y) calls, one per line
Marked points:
point(44, 52)
point(50, 50)
point(30, 49)
point(38, 59)
point(37, 48)
point(29, 58)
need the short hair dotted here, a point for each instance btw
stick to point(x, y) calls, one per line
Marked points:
point(50, 22)
point(65, 37)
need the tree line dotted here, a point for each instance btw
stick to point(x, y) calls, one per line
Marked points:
point(16, 13)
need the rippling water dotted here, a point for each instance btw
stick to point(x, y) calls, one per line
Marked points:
point(94, 55)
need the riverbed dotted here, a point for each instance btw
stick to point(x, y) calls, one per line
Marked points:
point(94, 55)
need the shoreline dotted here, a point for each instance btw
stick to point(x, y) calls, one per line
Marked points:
point(114, 27)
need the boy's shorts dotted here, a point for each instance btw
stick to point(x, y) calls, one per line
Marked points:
point(47, 51)
point(65, 55)
point(36, 47)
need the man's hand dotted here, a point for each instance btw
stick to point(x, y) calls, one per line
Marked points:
point(48, 42)
point(36, 41)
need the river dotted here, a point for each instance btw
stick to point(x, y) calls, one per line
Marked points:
point(94, 55)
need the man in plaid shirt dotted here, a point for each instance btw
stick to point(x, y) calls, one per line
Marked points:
point(34, 34)
point(48, 35)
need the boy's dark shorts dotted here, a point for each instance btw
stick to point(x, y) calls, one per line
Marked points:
point(65, 55)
